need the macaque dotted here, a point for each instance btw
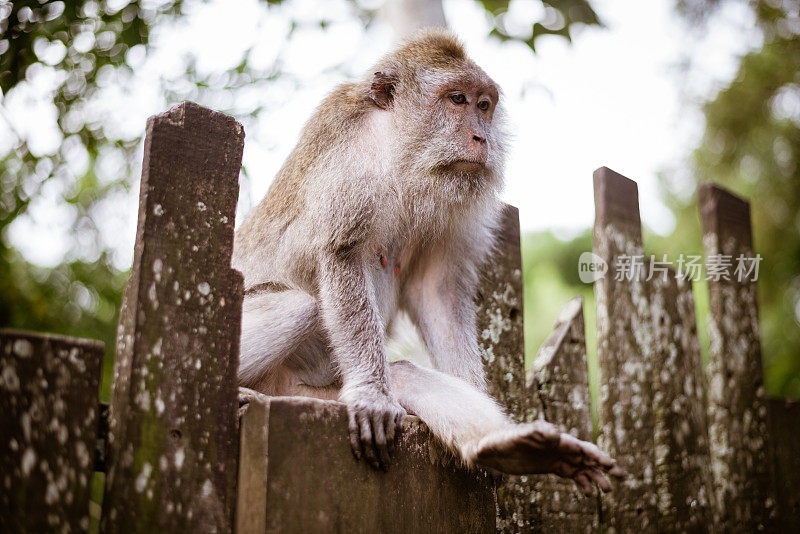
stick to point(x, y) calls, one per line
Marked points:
point(389, 203)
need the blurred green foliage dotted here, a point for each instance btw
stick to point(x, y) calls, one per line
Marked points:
point(559, 18)
point(751, 146)
point(82, 41)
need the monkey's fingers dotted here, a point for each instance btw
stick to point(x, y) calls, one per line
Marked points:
point(379, 435)
point(367, 445)
point(618, 472)
point(584, 453)
point(597, 457)
point(355, 442)
point(584, 483)
point(392, 426)
point(596, 476)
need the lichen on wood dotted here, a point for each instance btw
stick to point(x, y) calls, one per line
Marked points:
point(737, 403)
point(500, 328)
point(625, 354)
point(683, 474)
point(501, 338)
point(545, 502)
point(559, 380)
point(48, 416)
point(173, 427)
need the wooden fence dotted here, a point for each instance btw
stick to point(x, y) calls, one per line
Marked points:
point(182, 454)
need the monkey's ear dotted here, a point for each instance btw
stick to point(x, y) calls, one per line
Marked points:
point(382, 89)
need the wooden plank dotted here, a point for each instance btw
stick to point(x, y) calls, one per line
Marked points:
point(48, 416)
point(251, 505)
point(737, 404)
point(683, 474)
point(784, 421)
point(173, 429)
point(625, 353)
point(559, 379)
point(501, 338)
point(315, 484)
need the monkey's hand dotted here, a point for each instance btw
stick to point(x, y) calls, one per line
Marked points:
point(374, 417)
point(540, 447)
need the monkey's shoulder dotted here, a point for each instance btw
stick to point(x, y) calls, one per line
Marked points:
point(336, 118)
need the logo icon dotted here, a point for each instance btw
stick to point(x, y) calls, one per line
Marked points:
point(591, 267)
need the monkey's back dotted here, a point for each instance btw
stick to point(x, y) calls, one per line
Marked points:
point(276, 242)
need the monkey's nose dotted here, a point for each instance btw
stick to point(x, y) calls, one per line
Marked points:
point(479, 139)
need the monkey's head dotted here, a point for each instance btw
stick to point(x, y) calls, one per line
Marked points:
point(446, 111)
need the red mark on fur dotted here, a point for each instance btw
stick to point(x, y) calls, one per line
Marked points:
point(384, 261)
point(396, 269)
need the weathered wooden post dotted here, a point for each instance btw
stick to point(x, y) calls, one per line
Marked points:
point(500, 329)
point(625, 353)
point(737, 402)
point(173, 425)
point(48, 416)
point(501, 337)
point(533, 502)
point(784, 427)
point(683, 474)
point(559, 380)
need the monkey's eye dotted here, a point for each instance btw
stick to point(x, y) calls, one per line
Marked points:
point(483, 105)
point(458, 99)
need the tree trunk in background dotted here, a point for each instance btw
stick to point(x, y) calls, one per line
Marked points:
point(408, 16)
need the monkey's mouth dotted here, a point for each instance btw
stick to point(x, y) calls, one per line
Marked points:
point(467, 165)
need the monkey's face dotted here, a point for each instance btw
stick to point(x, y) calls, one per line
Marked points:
point(452, 129)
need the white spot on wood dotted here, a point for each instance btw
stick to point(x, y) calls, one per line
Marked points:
point(158, 266)
point(9, 379)
point(23, 348)
point(144, 475)
point(157, 347)
point(82, 453)
point(151, 294)
point(179, 457)
point(28, 459)
point(78, 362)
point(62, 434)
point(51, 493)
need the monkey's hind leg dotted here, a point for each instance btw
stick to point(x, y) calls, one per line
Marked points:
point(472, 424)
point(274, 324)
point(456, 412)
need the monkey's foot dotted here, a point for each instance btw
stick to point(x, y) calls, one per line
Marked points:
point(539, 447)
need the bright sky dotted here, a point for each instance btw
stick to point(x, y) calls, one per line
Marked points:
point(614, 97)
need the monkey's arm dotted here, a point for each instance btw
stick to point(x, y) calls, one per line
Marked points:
point(356, 334)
